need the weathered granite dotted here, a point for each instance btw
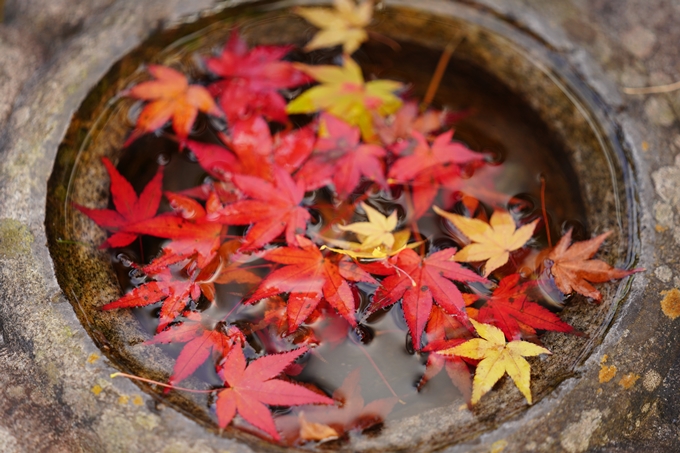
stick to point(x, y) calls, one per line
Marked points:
point(56, 394)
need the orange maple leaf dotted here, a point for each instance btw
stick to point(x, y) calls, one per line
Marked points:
point(573, 268)
point(173, 98)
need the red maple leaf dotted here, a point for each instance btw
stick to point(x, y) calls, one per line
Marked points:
point(252, 78)
point(201, 343)
point(253, 387)
point(424, 156)
point(173, 98)
point(130, 209)
point(255, 151)
point(508, 308)
point(191, 229)
point(340, 158)
point(443, 331)
point(167, 287)
point(419, 281)
point(271, 210)
point(308, 276)
point(352, 413)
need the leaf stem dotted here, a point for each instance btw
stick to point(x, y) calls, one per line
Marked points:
point(545, 213)
point(150, 381)
point(657, 89)
point(439, 72)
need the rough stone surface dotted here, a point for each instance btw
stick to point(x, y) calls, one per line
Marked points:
point(55, 398)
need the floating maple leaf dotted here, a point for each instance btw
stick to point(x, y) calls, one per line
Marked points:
point(308, 276)
point(377, 231)
point(201, 344)
point(253, 387)
point(492, 241)
point(130, 209)
point(224, 268)
point(344, 94)
point(252, 78)
point(173, 291)
point(339, 158)
point(395, 130)
point(272, 210)
point(192, 231)
point(508, 307)
point(343, 25)
point(573, 269)
point(255, 151)
point(173, 98)
point(420, 281)
point(497, 357)
point(425, 156)
point(350, 414)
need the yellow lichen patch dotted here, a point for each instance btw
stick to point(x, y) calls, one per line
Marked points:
point(97, 389)
point(123, 400)
point(607, 373)
point(629, 380)
point(671, 303)
point(137, 400)
point(498, 446)
point(660, 228)
point(92, 358)
point(645, 146)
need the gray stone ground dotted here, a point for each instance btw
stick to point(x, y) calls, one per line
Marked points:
point(55, 395)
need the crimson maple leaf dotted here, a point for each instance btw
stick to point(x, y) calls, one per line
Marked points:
point(573, 267)
point(173, 98)
point(308, 276)
point(252, 78)
point(253, 387)
point(201, 343)
point(443, 332)
point(509, 306)
point(192, 231)
point(271, 210)
point(255, 151)
point(419, 281)
point(340, 158)
point(424, 156)
point(130, 209)
point(352, 413)
point(167, 287)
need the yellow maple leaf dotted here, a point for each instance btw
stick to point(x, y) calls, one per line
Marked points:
point(493, 241)
point(497, 357)
point(343, 25)
point(344, 93)
point(377, 231)
point(356, 250)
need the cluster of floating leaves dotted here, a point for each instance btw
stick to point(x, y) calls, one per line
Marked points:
point(362, 139)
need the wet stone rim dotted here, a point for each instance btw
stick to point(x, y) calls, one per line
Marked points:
point(41, 252)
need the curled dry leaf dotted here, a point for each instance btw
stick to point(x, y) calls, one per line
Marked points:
point(573, 269)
